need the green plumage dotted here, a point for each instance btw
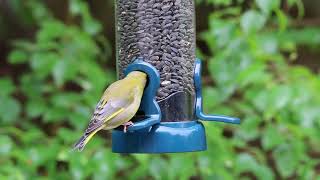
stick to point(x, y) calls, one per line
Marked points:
point(118, 104)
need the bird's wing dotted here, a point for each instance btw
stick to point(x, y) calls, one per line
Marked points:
point(105, 112)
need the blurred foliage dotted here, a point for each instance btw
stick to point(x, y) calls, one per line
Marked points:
point(252, 49)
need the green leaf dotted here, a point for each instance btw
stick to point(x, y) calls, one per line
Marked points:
point(254, 74)
point(220, 2)
point(9, 110)
point(283, 20)
point(59, 70)
point(158, 168)
point(50, 30)
point(221, 33)
point(55, 114)
point(246, 163)
point(63, 70)
point(212, 97)
point(66, 135)
point(80, 117)
point(287, 157)
point(75, 7)
point(65, 100)
point(281, 96)
point(252, 21)
point(271, 137)
point(42, 63)
point(92, 82)
point(223, 72)
point(6, 146)
point(92, 27)
point(7, 87)
point(35, 108)
point(249, 129)
point(18, 57)
point(33, 135)
point(182, 162)
point(104, 164)
point(32, 86)
point(267, 46)
point(78, 166)
point(268, 5)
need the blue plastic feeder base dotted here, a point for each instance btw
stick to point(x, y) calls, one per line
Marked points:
point(150, 135)
point(165, 137)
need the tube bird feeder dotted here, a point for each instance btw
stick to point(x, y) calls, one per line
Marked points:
point(158, 37)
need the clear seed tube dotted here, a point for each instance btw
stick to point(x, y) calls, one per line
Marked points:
point(162, 33)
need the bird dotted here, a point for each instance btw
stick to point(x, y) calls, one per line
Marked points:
point(117, 106)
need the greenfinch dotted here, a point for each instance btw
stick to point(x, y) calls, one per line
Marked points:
point(118, 104)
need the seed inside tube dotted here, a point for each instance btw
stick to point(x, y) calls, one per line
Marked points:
point(161, 32)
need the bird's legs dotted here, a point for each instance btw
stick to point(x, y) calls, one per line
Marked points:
point(125, 125)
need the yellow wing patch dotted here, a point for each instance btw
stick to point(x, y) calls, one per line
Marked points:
point(98, 129)
point(113, 115)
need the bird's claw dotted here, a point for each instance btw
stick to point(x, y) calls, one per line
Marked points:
point(125, 126)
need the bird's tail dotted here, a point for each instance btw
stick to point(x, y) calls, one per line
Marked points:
point(84, 140)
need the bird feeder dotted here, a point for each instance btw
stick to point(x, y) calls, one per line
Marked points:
point(157, 37)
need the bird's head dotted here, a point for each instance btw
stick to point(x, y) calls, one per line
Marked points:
point(138, 76)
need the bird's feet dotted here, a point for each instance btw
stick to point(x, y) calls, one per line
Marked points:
point(125, 125)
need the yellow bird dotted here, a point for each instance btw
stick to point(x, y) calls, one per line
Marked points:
point(119, 103)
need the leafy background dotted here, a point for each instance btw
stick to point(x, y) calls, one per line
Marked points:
point(262, 65)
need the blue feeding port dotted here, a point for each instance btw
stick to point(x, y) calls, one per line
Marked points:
point(150, 135)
